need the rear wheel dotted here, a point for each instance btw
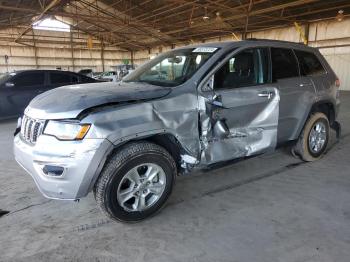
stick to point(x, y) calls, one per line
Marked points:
point(314, 138)
point(136, 182)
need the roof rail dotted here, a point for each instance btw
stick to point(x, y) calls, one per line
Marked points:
point(273, 40)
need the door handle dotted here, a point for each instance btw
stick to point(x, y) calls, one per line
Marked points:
point(266, 94)
point(305, 84)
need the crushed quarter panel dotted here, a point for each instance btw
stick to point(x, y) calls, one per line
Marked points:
point(177, 115)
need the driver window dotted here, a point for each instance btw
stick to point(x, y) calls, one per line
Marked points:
point(247, 68)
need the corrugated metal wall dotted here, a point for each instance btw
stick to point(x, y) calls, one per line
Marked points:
point(323, 34)
point(62, 54)
point(341, 66)
point(326, 35)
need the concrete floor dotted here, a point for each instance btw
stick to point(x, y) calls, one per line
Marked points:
point(269, 208)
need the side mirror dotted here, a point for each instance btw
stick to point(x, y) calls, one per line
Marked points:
point(176, 59)
point(9, 84)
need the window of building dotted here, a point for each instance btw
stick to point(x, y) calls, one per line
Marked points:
point(51, 25)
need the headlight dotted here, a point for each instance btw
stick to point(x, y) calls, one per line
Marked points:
point(66, 130)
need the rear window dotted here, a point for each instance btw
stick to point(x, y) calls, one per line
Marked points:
point(62, 78)
point(29, 79)
point(86, 79)
point(309, 64)
point(284, 63)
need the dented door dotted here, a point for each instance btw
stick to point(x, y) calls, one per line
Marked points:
point(243, 122)
point(240, 117)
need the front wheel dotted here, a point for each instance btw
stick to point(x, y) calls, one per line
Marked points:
point(136, 182)
point(314, 138)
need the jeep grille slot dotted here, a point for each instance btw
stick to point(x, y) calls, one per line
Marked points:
point(31, 129)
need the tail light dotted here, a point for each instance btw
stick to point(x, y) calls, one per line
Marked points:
point(337, 83)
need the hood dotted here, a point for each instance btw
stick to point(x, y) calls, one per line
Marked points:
point(69, 101)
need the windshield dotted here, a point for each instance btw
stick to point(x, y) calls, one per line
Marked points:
point(173, 68)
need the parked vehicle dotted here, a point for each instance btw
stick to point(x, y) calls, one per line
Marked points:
point(86, 72)
point(90, 73)
point(18, 88)
point(110, 76)
point(209, 104)
point(123, 70)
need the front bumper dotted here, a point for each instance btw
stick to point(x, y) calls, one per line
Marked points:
point(81, 162)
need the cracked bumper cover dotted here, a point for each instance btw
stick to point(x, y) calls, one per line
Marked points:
point(81, 161)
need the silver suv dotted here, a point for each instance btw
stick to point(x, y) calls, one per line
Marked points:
point(189, 108)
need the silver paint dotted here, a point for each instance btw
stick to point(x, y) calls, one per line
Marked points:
point(209, 125)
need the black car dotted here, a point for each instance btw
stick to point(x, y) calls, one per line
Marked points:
point(17, 89)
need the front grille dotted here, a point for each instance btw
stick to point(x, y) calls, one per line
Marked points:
point(31, 129)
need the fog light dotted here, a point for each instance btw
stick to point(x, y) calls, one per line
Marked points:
point(53, 170)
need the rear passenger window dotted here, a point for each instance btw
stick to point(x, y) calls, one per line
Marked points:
point(60, 78)
point(284, 64)
point(247, 68)
point(85, 79)
point(75, 79)
point(29, 79)
point(309, 64)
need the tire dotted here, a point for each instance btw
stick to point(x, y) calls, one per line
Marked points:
point(118, 176)
point(304, 147)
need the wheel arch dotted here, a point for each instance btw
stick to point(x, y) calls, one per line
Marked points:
point(324, 106)
point(166, 140)
point(170, 143)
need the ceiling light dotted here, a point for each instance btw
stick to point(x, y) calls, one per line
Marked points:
point(340, 16)
point(206, 17)
point(218, 17)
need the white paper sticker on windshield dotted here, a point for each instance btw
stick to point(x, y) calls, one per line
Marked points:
point(204, 50)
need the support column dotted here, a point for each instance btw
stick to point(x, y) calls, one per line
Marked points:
point(307, 32)
point(72, 50)
point(244, 34)
point(35, 51)
point(103, 55)
point(132, 58)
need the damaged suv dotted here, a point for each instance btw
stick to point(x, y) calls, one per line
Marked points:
point(191, 107)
